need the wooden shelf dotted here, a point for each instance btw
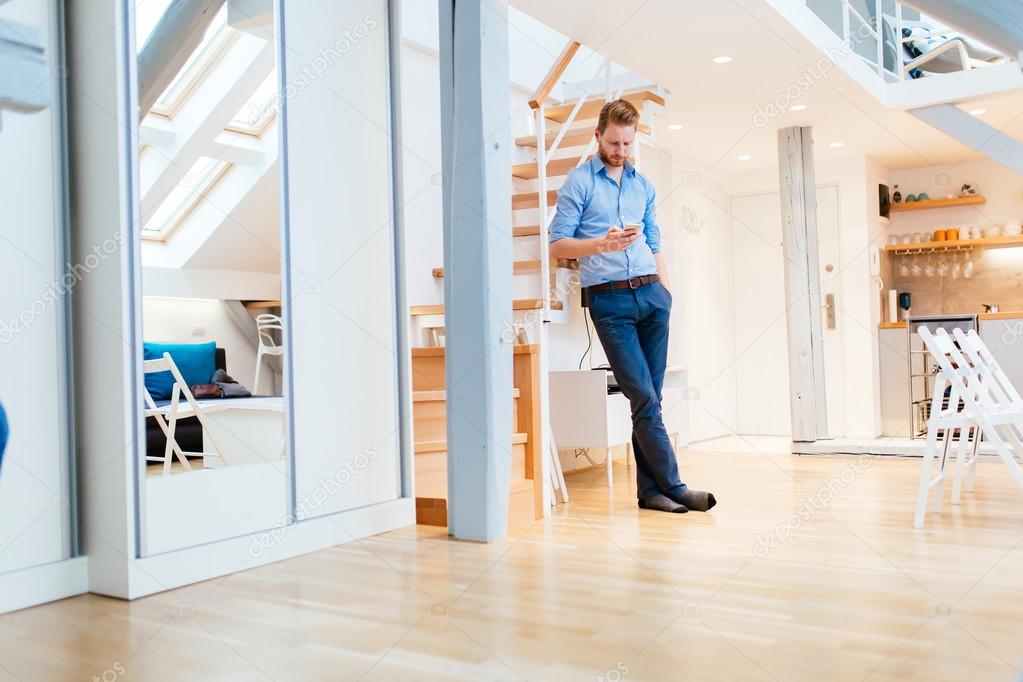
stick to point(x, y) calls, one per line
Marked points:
point(937, 203)
point(985, 242)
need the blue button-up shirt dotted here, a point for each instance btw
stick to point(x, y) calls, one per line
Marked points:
point(590, 202)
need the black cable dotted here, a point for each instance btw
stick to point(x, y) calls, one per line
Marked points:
point(589, 338)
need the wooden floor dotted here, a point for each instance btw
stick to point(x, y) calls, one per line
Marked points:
point(601, 591)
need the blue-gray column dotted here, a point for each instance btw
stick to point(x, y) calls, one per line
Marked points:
point(477, 264)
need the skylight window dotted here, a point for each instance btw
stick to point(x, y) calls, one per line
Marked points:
point(259, 110)
point(185, 197)
point(216, 39)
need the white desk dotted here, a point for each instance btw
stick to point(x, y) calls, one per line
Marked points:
point(251, 430)
point(584, 415)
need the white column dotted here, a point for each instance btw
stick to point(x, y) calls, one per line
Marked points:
point(477, 264)
point(802, 284)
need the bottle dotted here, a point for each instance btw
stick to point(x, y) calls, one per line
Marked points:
point(897, 197)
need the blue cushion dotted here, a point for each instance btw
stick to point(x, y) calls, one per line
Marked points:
point(195, 361)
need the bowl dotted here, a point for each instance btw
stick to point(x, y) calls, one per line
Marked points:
point(1012, 228)
point(993, 231)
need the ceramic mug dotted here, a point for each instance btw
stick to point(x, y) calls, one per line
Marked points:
point(939, 235)
point(1012, 228)
point(952, 234)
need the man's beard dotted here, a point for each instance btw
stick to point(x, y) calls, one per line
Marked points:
point(612, 161)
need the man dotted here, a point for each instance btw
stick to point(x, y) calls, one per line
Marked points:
point(626, 285)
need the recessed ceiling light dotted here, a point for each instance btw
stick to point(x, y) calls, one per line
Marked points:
point(978, 112)
point(675, 126)
point(722, 59)
point(744, 157)
point(797, 107)
point(836, 145)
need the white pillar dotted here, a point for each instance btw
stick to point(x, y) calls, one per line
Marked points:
point(477, 264)
point(802, 284)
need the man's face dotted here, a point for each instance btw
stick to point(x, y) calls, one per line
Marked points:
point(615, 144)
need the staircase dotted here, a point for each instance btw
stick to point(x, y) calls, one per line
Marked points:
point(429, 419)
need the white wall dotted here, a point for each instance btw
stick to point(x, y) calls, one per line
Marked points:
point(858, 306)
point(34, 510)
point(999, 186)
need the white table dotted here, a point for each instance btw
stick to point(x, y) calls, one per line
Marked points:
point(250, 430)
point(584, 415)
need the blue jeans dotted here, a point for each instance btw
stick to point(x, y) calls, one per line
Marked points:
point(632, 325)
point(3, 433)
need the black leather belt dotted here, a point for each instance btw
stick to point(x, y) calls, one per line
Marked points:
point(634, 283)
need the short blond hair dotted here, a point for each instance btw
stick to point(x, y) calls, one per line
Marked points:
point(619, 112)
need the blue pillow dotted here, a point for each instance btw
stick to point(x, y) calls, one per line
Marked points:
point(196, 362)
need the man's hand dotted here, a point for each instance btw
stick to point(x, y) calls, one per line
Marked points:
point(616, 240)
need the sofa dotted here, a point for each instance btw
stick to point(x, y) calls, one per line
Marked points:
point(188, 432)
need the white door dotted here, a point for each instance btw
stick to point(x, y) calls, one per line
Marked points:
point(761, 337)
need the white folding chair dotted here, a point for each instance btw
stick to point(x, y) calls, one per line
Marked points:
point(981, 400)
point(167, 416)
point(266, 325)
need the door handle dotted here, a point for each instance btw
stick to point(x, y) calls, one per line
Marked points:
point(829, 308)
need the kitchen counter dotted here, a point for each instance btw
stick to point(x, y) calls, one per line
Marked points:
point(1010, 315)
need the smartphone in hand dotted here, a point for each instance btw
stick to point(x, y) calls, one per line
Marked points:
point(633, 228)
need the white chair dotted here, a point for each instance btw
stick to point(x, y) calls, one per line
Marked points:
point(981, 400)
point(266, 325)
point(167, 416)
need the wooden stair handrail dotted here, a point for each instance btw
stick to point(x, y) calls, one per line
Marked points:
point(552, 77)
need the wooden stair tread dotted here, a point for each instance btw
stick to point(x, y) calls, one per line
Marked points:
point(439, 351)
point(532, 199)
point(441, 396)
point(573, 138)
point(591, 108)
point(427, 446)
point(525, 266)
point(526, 231)
point(555, 168)
point(517, 304)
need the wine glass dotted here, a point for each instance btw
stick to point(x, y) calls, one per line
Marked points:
point(904, 266)
point(929, 266)
point(942, 265)
point(916, 270)
point(957, 267)
point(968, 266)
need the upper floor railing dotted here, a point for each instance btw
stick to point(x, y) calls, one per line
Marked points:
point(900, 43)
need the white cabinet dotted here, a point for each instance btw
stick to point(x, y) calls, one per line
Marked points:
point(1005, 340)
point(894, 366)
point(585, 415)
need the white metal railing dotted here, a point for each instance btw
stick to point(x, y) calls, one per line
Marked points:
point(886, 30)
